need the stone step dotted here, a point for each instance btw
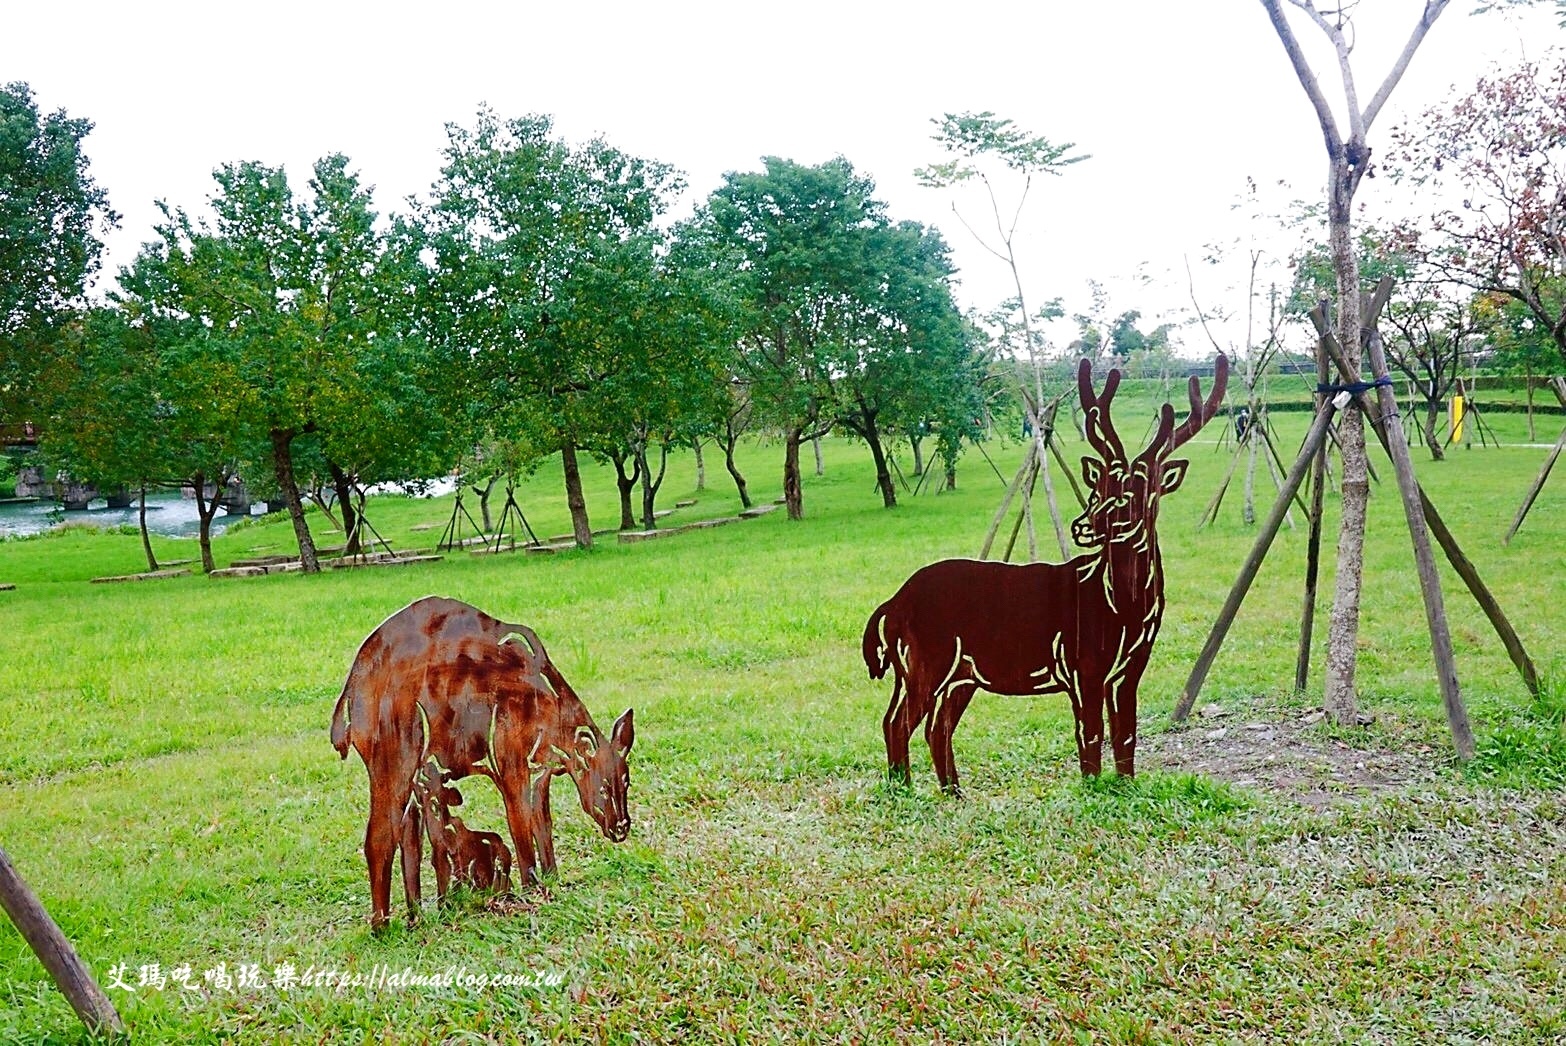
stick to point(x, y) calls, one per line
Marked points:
point(384, 561)
point(239, 572)
point(151, 575)
point(760, 510)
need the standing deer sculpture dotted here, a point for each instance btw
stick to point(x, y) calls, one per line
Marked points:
point(1084, 628)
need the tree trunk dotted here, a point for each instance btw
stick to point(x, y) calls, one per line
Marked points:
point(146, 539)
point(701, 464)
point(206, 509)
point(815, 444)
point(1529, 385)
point(581, 529)
point(483, 496)
point(283, 469)
point(917, 444)
point(1248, 514)
point(1340, 699)
point(353, 542)
point(650, 485)
point(793, 493)
point(883, 475)
point(728, 463)
point(626, 484)
point(951, 476)
point(1433, 412)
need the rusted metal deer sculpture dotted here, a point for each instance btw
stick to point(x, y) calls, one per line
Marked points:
point(442, 680)
point(1084, 628)
point(459, 854)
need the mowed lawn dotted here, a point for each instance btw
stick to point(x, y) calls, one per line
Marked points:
point(168, 788)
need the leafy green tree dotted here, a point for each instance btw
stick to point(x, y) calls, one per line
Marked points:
point(907, 350)
point(104, 422)
point(1519, 342)
point(297, 302)
point(521, 223)
point(797, 240)
point(52, 215)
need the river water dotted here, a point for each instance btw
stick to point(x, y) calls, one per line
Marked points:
point(167, 514)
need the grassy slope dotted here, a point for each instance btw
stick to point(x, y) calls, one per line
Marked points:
point(167, 786)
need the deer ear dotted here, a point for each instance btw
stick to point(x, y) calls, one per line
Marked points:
point(623, 733)
point(1174, 474)
point(1092, 469)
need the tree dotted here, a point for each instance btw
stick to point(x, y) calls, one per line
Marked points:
point(298, 303)
point(1503, 148)
point(977, 144)
point(52, 215)
point(104, 413)
point(1433, 332)
point(1519, 342)
point(520, 219)
point(907, 351)
point(796, 238)
point(1348, 155)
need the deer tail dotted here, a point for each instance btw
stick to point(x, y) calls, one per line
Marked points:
point(875, 645)
point(340, 721)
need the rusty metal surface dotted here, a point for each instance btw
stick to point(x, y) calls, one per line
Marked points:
point(441, 691)
point(1084, 628)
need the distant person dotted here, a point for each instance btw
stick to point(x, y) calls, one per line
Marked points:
point(1242, 422)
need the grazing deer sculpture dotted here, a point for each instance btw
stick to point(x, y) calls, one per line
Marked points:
point(441, 680)
point(1084, 628)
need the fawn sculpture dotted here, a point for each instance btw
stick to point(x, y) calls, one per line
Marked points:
point(1084, 628)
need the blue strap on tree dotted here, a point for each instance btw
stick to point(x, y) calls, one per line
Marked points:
point(1354, 388)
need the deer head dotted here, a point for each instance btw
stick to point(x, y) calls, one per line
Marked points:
point(1123, 503)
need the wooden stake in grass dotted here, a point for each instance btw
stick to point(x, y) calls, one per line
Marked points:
point(1538, 485)
point(54, 950)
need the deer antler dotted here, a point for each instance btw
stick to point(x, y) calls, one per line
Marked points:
point(1168, 438)
point(1099, 428)
point(1202, 413)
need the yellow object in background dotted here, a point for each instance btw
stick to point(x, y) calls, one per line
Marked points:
point(1457, 419)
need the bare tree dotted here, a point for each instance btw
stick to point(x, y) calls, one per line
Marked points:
point(1348, 156)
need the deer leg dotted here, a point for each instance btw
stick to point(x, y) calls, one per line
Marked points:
point(896, 726)
point(1088, 708)
point(1122, 726)
point(521, 810)
point(381, 838)
point(942, 725)
point(412, 850)
point(544, 830)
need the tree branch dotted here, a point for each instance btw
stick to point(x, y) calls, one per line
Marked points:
point(1307, 77)
point(1433, 9)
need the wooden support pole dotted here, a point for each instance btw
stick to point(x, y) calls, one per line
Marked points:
point(1011, 492)
point(1252, 564)
point(43, 936)
point(1454, 553)
point(1318, 480)
point(1424, 557)
point(1066, 470)
point(1538, 485)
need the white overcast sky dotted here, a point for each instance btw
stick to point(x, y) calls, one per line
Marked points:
point(1178, 103)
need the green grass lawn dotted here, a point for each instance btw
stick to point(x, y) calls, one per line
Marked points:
point(168, 787)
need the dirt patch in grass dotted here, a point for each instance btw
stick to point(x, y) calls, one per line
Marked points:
point(1292, 753)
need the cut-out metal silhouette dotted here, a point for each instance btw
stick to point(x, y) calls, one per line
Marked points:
point(441, 680)
point(478, 860)
point(1084, 628)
